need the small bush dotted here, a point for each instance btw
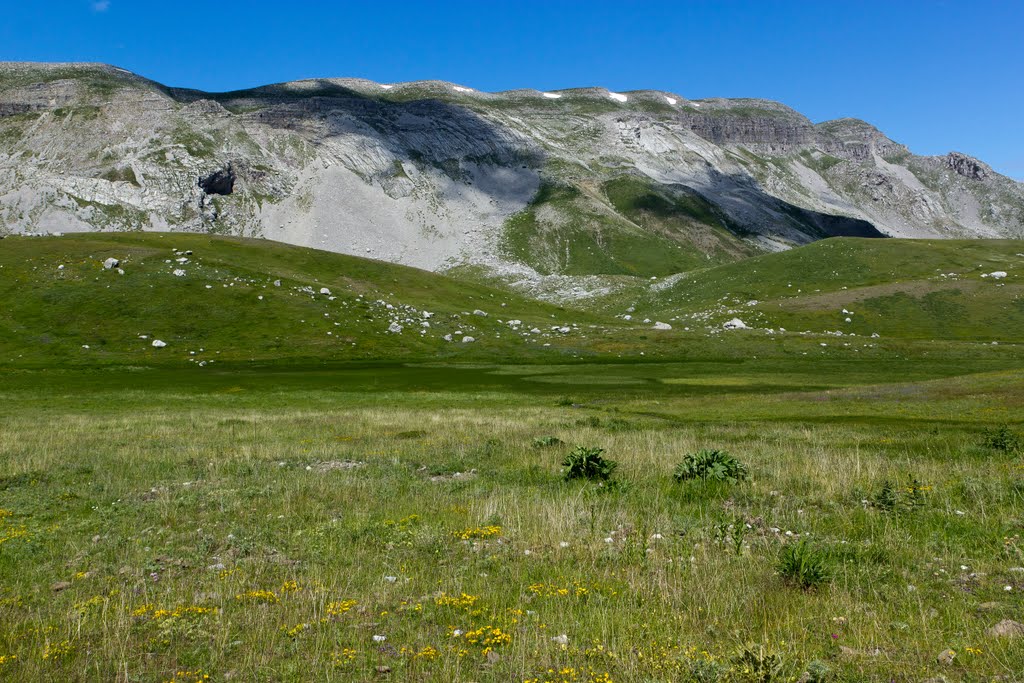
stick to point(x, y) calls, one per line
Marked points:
point(711, 464)
point(757, 665)
point(817, 672)
point(802, 565)
point(546, 442)
point(893, 499)
point(588, 463)
point(1002, 439)
point(887, 499)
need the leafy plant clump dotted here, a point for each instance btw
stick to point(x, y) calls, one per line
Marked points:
point(893, 499)
point(714, 464)
point(803, 566)
point(1003, 439)
point(757, 665)
point(588, 463)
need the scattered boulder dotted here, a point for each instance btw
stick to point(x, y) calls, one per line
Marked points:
point(1007, 628)
point(158, 344)
point(996, 274)
point(178, 272)
point(482, 314)
point(662, 326)
point(735, 324)
point(395, 328)
point(946, 657)
point(324, 290)
point(335, 465)
point(468, 340)
point(111, 263)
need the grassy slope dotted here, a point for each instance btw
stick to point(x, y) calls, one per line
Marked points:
point(897, 288)
point(47, 314)
point(630, 226)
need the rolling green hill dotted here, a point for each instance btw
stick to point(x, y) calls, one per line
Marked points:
point(58, 304)
point(907, 289)
point(223, 300)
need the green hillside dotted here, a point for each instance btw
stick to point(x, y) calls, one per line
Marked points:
point(908, 289)
point(58, 304)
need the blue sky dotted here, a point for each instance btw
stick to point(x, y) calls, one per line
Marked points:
point(936, 75)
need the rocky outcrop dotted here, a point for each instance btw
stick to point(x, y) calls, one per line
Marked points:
point(968, 167)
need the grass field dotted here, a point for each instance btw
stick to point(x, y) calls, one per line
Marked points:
point(317, 515)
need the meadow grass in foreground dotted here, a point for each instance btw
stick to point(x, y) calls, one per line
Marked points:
point(336, 532)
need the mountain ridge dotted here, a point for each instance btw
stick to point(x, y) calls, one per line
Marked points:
point(523, 185)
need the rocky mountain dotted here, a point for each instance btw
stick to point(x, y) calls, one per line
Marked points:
point(520, 184)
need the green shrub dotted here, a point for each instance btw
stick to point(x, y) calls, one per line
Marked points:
point(1002, 438)
point(588, 463)
point(757, 665)
point(715, 465)
point(802, 565)
point(887, 499)
point(894, 499)
point(817, 672)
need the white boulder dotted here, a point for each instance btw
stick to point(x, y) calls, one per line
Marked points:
point(111, 263)
point(735, 324)
point(662, 326)
point(158, 344)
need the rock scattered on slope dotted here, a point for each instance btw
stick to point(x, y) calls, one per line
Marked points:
point(996, 275)
point(111, 263)
point(662, 326)
point(1007, 628)
point(159, 344)
point(735, 324)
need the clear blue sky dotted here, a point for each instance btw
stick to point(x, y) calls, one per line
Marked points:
point(937, 75)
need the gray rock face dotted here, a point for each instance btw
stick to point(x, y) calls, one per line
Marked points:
point(968, 167)
point(434, 175)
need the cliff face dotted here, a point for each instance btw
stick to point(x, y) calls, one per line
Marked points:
point(436, 175)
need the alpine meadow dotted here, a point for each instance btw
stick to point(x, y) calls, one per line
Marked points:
point(338, 380)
